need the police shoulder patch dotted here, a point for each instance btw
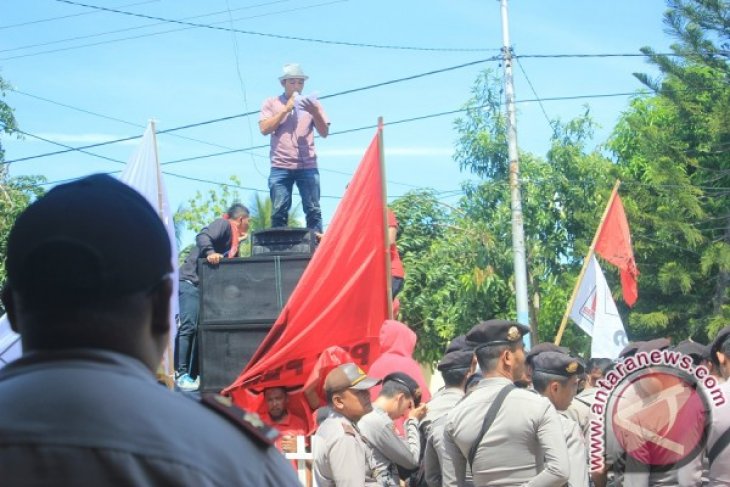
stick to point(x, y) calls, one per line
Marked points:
point(349, 429)
point(250, 423)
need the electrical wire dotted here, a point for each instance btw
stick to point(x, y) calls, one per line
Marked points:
point(249, 113)
point(63, 17)
point(276, 36)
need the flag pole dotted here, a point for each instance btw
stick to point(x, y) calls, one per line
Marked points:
point(587, 259)
point(158, 174)
point(386, 237)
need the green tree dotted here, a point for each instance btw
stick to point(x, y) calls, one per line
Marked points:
point(15, 193)
point(459, 261)
point(673, 149)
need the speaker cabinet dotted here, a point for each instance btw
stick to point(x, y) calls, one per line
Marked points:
point(240, 300)
point(283, 241)
point(252, 290)
point(224, 351)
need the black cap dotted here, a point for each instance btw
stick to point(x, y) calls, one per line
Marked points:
point(91, 239)
point(459, 343)
point(557, 363)
point(651, 345)
point(697, 351)
point(496, 332)
point(544, 347)
point(408, 381)
point(717, 343)
point(461, 359)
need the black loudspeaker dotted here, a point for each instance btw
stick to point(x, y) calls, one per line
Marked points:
point(240, 300)
point(251, 290)
point(224, 351)
point(283, 241)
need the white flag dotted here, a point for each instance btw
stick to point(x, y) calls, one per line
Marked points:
point(594, 310)
point(143, 174)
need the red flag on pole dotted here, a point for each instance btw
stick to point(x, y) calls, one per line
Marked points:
point(614, 245)
point(340, 300)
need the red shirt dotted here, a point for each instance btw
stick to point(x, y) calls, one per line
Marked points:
point(396, 266)
point(291, 425)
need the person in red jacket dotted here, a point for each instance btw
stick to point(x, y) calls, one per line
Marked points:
point(397, 272)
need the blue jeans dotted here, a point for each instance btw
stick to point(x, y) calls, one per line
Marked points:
point(281, 182)
point(185, 343)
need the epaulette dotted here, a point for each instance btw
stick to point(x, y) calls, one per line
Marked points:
point(250, 423)
point(349, 429)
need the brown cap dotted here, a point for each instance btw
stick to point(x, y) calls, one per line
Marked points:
point(348, 376)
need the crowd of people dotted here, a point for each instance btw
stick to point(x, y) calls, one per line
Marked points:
point(91, 302)
point(523, 419)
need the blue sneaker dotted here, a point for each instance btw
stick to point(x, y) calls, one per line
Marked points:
point(186, 383)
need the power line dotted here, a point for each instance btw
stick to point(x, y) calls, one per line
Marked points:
point(62, 17)
point(542, 107)
point(577, 55)
point(151, 34)
point(249, 113)
point(276, 36)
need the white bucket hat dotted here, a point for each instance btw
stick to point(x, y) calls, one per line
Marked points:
point(293, 71)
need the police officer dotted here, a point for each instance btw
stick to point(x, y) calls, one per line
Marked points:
point(555, 376)
point(89, 290)
point(398, 397)
point(524, 442)
point(339, 449)
point(455, 368)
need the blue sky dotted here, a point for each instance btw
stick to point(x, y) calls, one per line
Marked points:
point(195, 74)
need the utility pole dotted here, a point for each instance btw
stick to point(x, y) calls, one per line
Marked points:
point(518, 232)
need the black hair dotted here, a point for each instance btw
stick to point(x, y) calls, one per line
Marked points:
point(602, 364)
point(454, 377)
point(236, 210)
point(541, 380)
point(392, 388)
point(725, 348)
point(487, 356)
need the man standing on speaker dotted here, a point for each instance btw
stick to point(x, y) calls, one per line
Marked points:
point(291, 119)
point(217, 241)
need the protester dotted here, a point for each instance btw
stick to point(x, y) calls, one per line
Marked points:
point(555, 376)
point(525, 441)
point(292, 154)
point(219, 240)
point(398, 396)
point(397, 343)
point(340, 455)
point(278, 416)
point(397, 272)
point(91, 301)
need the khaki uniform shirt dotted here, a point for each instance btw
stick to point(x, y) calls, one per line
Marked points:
point(576, 452)
point(524, 446)
point(387, 449)
point(92, 417)
point(339, 454)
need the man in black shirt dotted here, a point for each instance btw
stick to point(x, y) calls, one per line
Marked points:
point(215, 242)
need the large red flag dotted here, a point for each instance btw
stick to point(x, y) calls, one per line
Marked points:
point(614, 245)
point(340, 300)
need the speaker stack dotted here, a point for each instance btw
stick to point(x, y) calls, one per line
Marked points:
point(240, 300)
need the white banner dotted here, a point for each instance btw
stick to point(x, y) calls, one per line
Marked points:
point(594, 310)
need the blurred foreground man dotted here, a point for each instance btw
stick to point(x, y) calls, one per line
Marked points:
point(90, 296)
point(507, 436)
point(339, 449)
